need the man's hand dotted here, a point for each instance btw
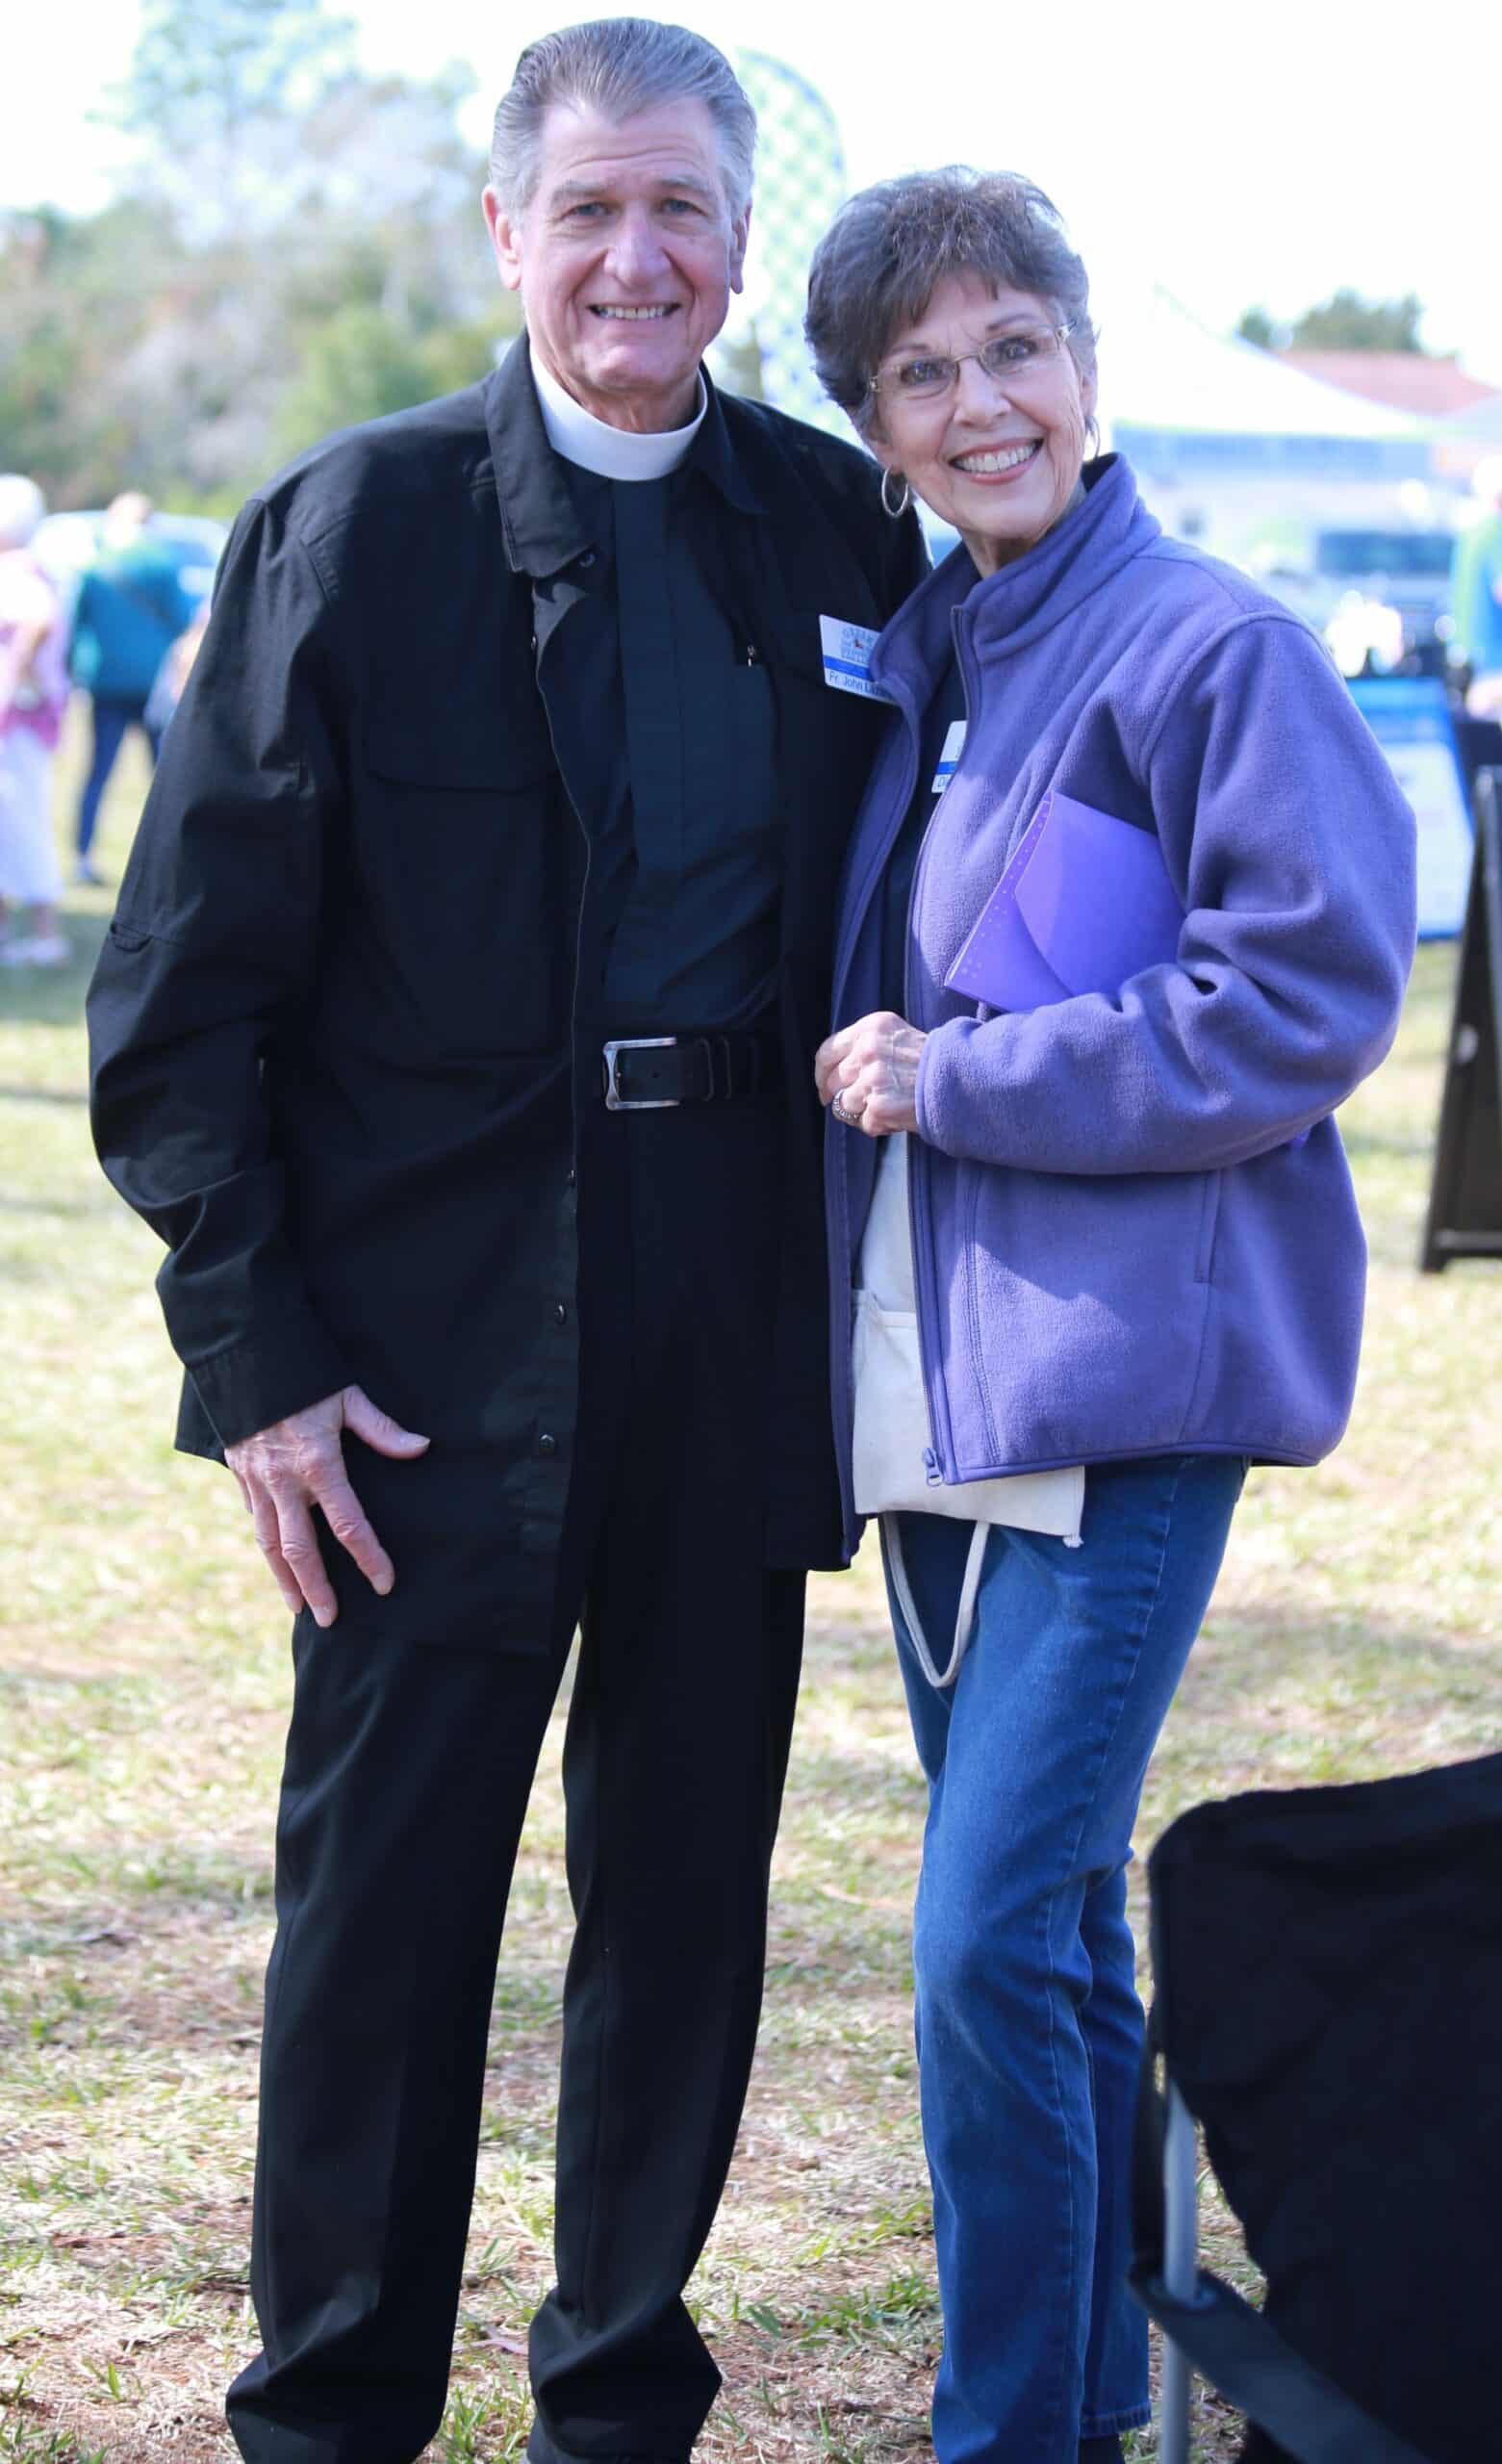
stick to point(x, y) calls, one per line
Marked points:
point(869, 1072)
point(296, 1464)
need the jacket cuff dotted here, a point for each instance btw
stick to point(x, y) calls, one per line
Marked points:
point(949, 1086)
point(249, 1386)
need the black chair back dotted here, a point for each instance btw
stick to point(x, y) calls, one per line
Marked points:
point(1328, 1973)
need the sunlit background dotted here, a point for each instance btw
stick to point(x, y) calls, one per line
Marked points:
point(228, 227)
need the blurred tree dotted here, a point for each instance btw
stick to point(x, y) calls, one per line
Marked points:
point(736, 364)
point(360, 364)
point(298, 246)
point(1347, 321)
point(1257, 327)
point(208, 78)
point(74, 298)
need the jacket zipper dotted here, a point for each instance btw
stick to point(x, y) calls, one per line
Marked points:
point(939, 1454)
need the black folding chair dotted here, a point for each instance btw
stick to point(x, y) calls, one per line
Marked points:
point(1328, 1981)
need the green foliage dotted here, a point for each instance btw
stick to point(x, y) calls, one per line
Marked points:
point(1347, 321)
point(737, 365)
point(297, 246)
point(1257, 327)
point(363, 364)
point(73, 301)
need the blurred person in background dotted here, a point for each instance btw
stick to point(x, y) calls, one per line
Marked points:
point(1476, 594)
point(130, 608)
point(172, 676)
point(33, 698)
point(1090, 1193)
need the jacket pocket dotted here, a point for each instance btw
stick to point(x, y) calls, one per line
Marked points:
point(466, 852)
point(1073, 1313)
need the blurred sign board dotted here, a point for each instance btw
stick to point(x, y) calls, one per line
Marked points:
point(1409, 717)
point(1465, 1198)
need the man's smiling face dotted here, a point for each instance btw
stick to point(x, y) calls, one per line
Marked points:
point(625, 258)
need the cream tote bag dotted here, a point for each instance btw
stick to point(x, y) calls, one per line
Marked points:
point(891, 1432)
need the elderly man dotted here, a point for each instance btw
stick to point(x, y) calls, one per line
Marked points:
point(456, 1031)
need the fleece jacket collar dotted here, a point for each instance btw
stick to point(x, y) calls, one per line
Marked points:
point(1007, 611)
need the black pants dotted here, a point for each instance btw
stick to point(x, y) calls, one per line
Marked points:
point(407, 1777)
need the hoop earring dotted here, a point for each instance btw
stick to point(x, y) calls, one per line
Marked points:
point(897, 510)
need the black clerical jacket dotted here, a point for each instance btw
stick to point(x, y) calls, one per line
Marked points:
point(335, 1056)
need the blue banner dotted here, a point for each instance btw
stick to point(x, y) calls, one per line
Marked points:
point(1409, 717)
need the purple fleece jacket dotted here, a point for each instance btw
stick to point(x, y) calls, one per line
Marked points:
point(1118, 1247)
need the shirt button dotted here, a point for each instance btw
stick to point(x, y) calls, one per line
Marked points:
point(560, 1314)
point(573, 1177)
point(587, 558)
point(547, 1445)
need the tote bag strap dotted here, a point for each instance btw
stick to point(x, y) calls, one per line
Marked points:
point(1232, 2345)
point(964, 1616)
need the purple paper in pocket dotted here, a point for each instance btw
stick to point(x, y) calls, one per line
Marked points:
point(1084, 903)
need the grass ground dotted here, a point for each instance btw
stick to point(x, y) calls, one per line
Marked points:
point(143, 1684)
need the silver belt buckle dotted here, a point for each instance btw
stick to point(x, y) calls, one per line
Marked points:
point(615, 1101)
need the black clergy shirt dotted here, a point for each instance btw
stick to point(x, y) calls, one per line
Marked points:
point(679, 804)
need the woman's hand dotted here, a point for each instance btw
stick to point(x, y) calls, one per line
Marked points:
point(869, 1073)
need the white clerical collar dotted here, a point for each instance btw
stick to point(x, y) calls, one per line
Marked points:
point(610, 453)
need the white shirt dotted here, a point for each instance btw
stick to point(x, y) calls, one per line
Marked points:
point(610, 453)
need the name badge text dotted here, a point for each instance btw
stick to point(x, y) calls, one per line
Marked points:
point(847, 657)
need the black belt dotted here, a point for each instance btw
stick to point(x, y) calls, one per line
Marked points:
point(644, 1072)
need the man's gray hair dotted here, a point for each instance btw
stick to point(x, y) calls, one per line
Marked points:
point(619, 66)
point(888, 249)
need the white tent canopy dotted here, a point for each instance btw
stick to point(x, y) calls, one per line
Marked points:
point(1160, 368)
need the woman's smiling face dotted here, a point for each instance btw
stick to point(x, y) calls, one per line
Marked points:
point(997, 456)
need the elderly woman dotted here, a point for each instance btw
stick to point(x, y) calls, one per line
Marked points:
point(1128, 913)
point(33, 698)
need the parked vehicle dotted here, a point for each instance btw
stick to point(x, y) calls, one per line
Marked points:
point(1380, 596)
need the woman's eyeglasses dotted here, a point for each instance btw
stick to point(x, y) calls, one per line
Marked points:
point(1007, 359)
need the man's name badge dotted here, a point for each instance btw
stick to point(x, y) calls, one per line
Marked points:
point(949, 759)
point(847, 657)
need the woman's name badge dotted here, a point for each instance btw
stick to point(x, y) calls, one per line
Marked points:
point(949, 759)
point(847, 657)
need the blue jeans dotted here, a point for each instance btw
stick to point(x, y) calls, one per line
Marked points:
point(1028, 2019)
point(111, 720)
